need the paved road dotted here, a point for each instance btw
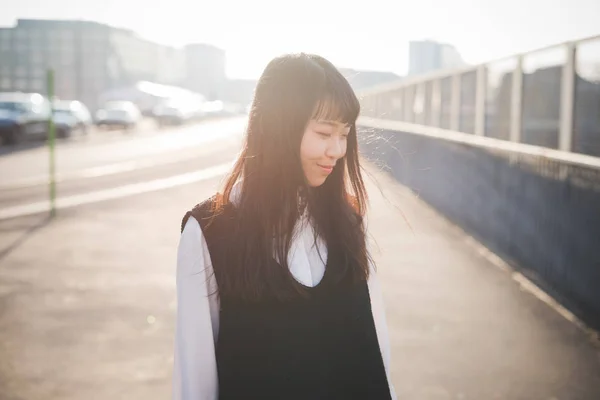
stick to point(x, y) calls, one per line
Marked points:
point(87, 305)
point(100, 163)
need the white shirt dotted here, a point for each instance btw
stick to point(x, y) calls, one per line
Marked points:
point(197, 325)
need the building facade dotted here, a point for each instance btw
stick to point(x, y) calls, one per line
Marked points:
point(205, 70)
point(427, 55)
point(87, 57)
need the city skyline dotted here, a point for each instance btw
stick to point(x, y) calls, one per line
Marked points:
point(373, 38)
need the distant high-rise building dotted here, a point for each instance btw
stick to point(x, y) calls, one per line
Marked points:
point(241, 91)
point(427, 55)
point(87, 57)
point(205, 69)
point(363, 79)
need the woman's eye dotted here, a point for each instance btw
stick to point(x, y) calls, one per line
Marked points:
point(324, 134)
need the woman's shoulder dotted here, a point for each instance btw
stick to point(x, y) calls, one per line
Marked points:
point(213, 207)
point(202, 210)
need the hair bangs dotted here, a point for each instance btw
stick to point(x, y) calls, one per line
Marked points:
point(338, 104)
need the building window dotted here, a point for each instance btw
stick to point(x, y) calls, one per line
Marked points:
point(35, 37)
point(5, 40)
point(20, 71)
point(21, 34)
point(67, 48)
point(21, 48)
point(38, 72)
point(21, 84)
point(66, 35)
point(66, 60)
point(37, 85)
point(52, 35)
point(53, 40)
point(36, 57)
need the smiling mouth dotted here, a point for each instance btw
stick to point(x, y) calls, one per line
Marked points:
point(326, 168)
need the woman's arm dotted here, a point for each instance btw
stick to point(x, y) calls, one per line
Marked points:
point(378, 310)
point(197, 324)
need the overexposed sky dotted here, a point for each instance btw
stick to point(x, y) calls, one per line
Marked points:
point(371, 34)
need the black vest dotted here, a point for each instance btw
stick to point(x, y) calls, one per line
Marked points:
point(323, 347)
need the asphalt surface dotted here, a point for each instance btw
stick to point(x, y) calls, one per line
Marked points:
point(87, 299)
point(114, 159)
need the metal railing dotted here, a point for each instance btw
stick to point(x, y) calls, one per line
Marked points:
point(510, 152)
point(548, 97)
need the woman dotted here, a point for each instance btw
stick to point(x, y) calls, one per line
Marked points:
point(277, 298)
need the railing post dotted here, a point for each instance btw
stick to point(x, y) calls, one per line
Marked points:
point(480, 100)
point(419, 104)
point(398, 105)
point(516, 102)
point(370, 106)
point(377, 106)
point(408, 104)
point(455, 103)
point(381, 106)
point(436, 101)
point(567, 101)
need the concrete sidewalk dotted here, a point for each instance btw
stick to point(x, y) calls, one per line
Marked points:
point(461, 327)
point(87, 306)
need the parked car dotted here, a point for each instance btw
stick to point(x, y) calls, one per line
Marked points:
point(23, 115)
point(214, 108)
point(122, 114)
point(175, 112)
point(71, 117)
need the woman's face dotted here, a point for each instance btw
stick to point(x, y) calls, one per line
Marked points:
point(323, 144)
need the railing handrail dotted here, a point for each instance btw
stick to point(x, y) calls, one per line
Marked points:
point(448, 72)
point(575, 159)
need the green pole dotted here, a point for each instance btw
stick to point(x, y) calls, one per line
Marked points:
point(51, 139)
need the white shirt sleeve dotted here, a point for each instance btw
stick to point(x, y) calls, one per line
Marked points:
point(378, 311)
point(197, 324)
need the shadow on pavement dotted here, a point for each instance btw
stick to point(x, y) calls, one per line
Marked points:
point(26, 231)
point(6, 149)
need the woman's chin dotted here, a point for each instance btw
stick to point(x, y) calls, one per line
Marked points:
point(316, 182)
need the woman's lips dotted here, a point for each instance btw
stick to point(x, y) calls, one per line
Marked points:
point(326, 168)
